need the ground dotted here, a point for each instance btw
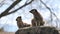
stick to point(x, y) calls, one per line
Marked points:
point(7, 33)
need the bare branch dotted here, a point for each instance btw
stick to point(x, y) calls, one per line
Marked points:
point(49, 10)
point(9, 8)
point(16, 9)
point(21, 7)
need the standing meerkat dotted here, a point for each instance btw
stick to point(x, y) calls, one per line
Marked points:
point(37, 20)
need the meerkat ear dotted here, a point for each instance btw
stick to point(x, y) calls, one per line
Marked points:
point(19, 17)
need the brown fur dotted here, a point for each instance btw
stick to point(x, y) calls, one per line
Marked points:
point(37, 20)
point(34, 22)
point(20, 23)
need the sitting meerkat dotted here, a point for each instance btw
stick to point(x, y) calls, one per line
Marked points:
point(38, 19)
point(20, 23)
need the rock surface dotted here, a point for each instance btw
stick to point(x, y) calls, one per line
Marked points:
point(37, 30)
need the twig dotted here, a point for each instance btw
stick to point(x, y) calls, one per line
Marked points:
point(21, 7)
point(49, 10)
point(9, 8)
point(18, 8)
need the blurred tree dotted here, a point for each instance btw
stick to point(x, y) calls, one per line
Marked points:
point(6, 12)
point(51, 13)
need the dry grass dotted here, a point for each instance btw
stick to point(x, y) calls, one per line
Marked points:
point(7, 33)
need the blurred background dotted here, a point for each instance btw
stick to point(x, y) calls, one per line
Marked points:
point(51, 13)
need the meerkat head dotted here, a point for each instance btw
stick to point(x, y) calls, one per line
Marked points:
point(18, 18)
point(33, 11)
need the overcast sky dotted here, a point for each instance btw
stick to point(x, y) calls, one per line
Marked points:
point(10, 20)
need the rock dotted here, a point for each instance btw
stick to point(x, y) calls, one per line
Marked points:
point(37, 30)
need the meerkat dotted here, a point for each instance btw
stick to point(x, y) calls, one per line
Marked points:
point(37, 20)
point(33, 21)
point(20, 23)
